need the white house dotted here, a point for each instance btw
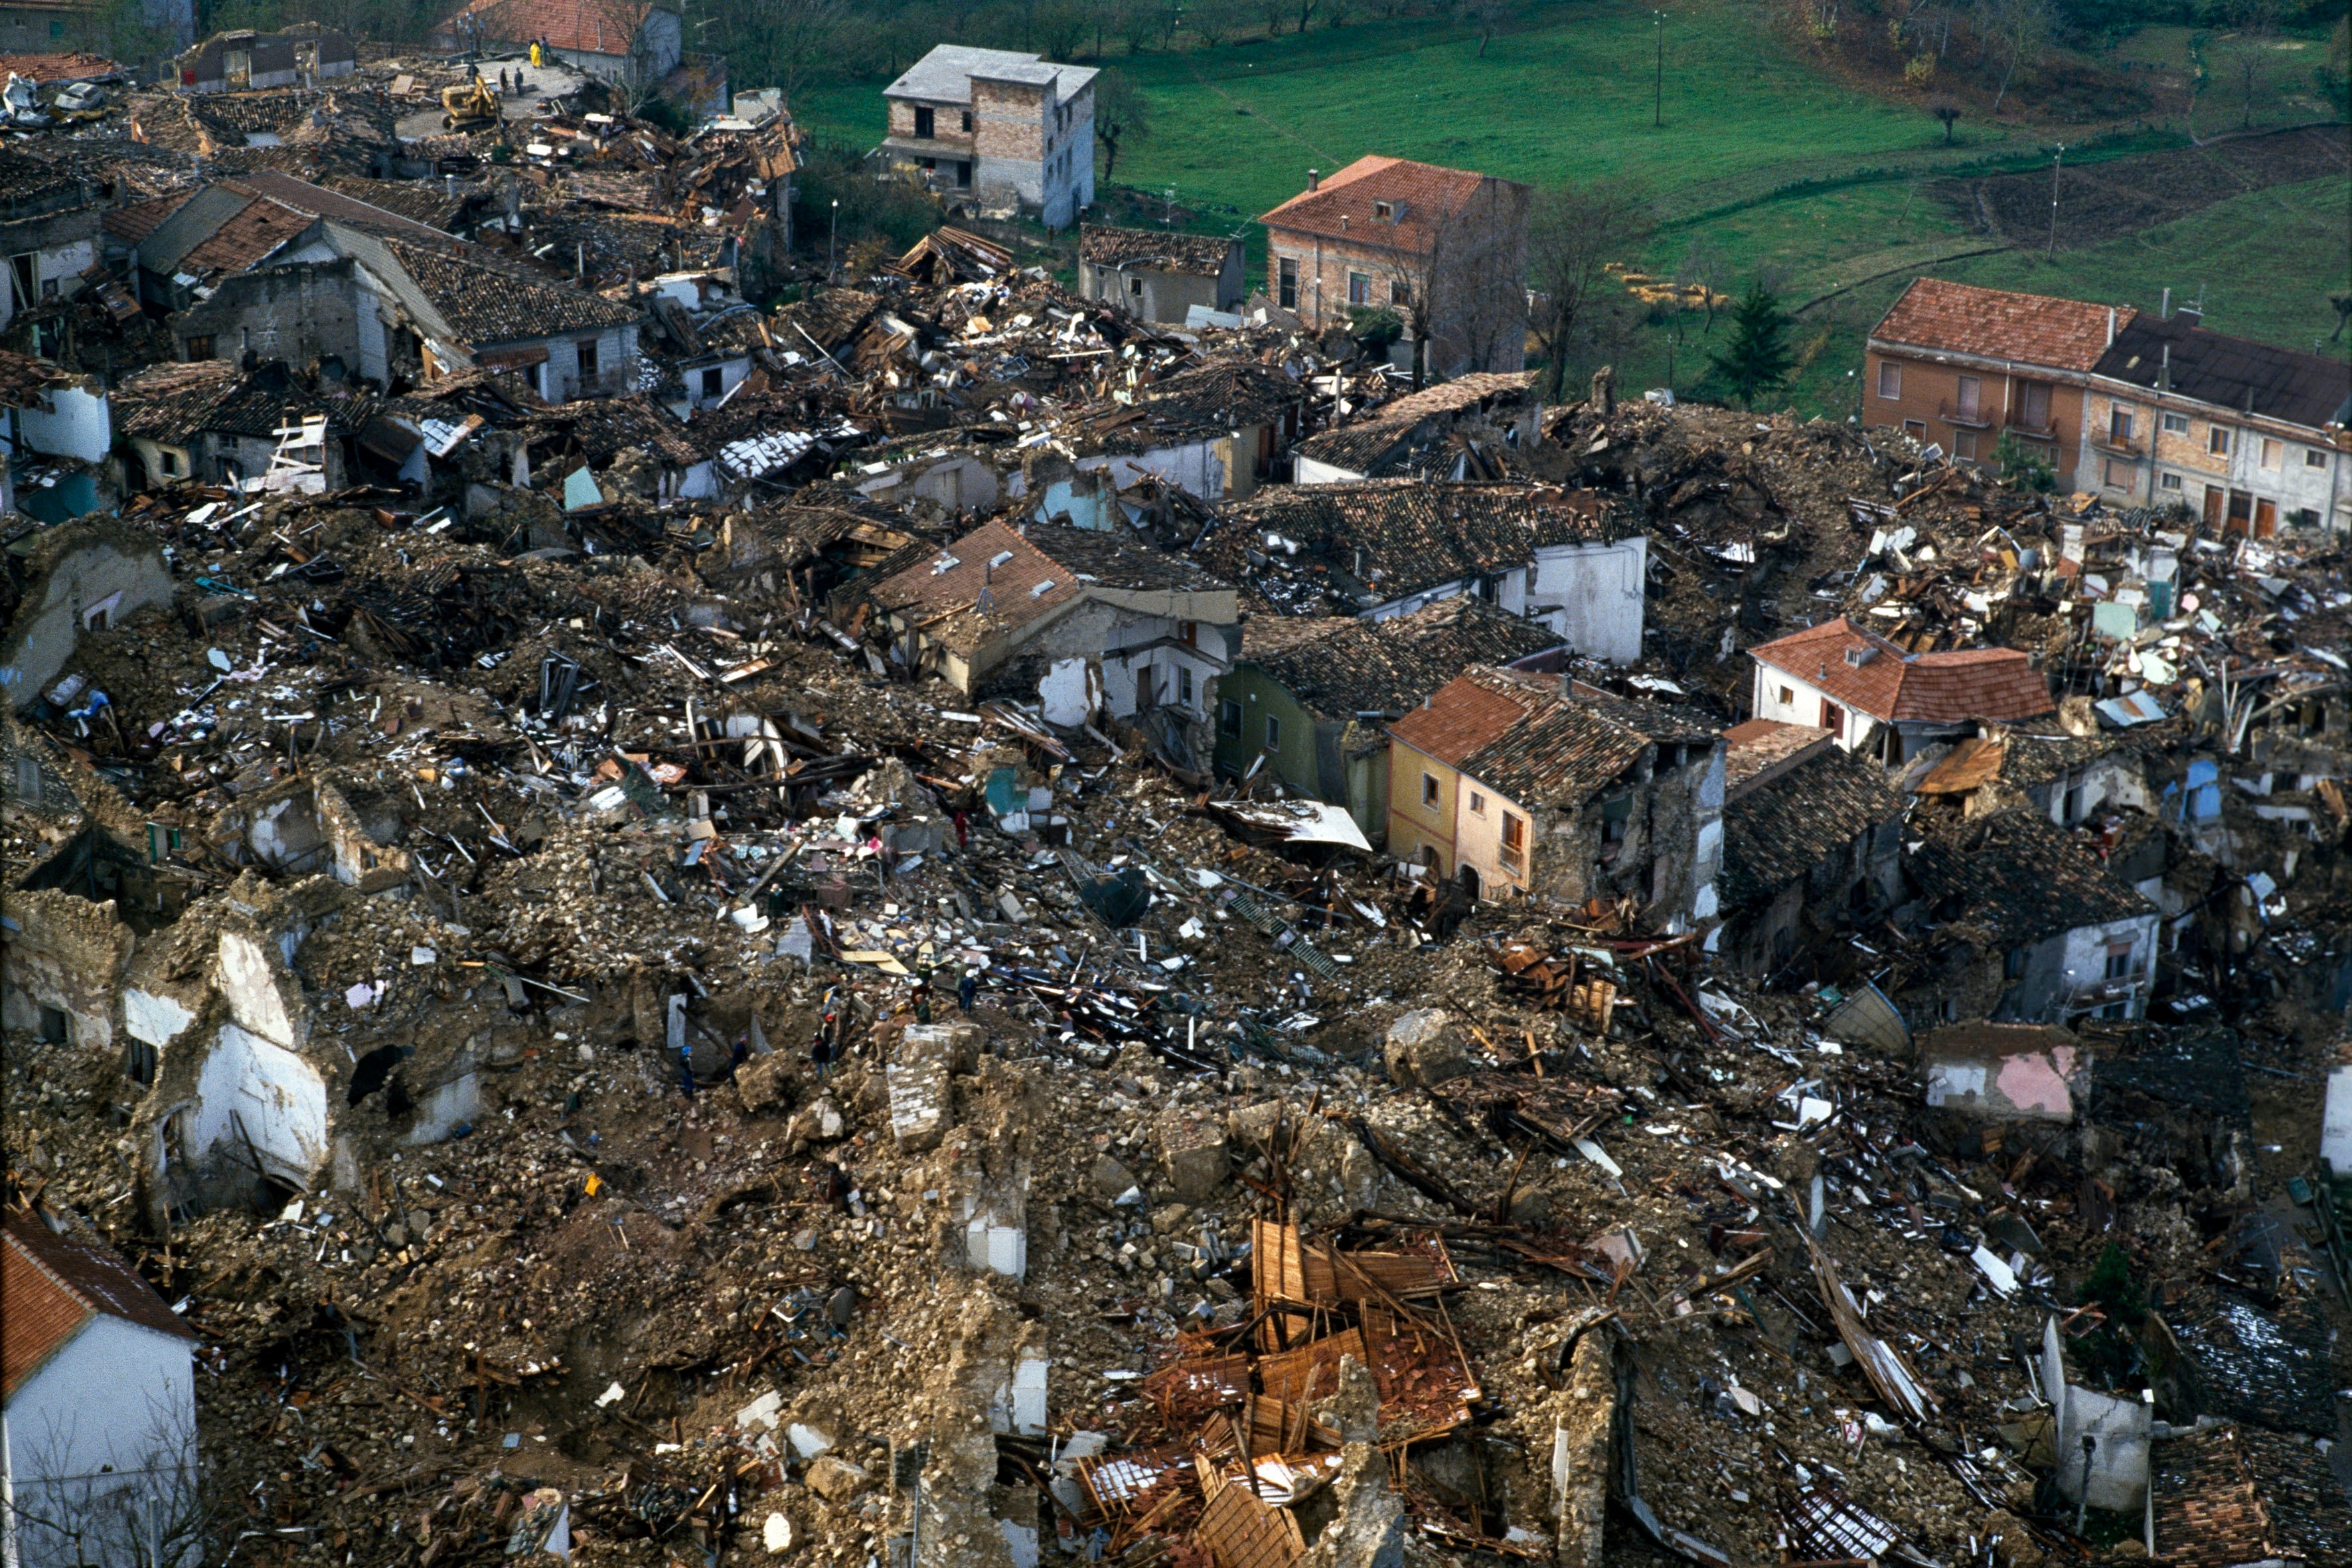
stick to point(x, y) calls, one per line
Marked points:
point(98, 1406)
point(1873, 696)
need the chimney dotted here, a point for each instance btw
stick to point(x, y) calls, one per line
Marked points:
point(2111, 326)
point(2164, 371)
point(2192, 315)
point(2166, 313)
point(1314, 179)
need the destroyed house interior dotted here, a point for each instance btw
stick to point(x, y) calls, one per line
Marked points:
point(675, 896)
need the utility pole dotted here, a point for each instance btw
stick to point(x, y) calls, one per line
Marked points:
point(833, 229)
point(2057, 158)
point(1658, 95)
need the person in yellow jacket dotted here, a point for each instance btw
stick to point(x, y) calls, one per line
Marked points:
point(535, 59)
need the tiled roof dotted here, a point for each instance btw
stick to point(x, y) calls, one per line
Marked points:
point(168, 401)
point(2019, 876)
point(1759, 745)
point(23, 379)
point(1949, 687)
point(424, 202)
point(2308, 1517)
point(2209, 1513)
point(137, 221)
point(1994, 323)
point(2291, 384)
point(343, 205)
point(249, 234)
point(1203, 255)
point(1341, 665)
point(2017, 758)
point(1779, 830)
point(1462, 392)
point(1389, 538)
point(46, 69)
point(486, 302)
point(53, 1285)
point(1421, 197)
point(605, 425)
point(589, 27)
point(1360, 447)
point(1038, 574)
point(1520, 737)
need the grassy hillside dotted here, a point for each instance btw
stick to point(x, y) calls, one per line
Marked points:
point(1765, 162)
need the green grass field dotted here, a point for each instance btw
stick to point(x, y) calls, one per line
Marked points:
point(1764, 162)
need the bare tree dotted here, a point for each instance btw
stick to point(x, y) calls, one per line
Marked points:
point(1214, 21)
point(1947, 110)
point(160, 1510)
point(1573, 234)
point(2021, 27)
point(1458, 278)
point(1487, 15)
point(1121, 116)
point(2256, 22)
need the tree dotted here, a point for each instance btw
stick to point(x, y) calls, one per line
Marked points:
point(2257, 23)
point(1214, 21)
point(1457, 276)
point(1486, 16)
point(1756, 358)
point(1120, 113)
point(783, 42)
point(2021, 27)
point(156, 1507)
point(2342, 303)
point(1947, 110)
point(1573, 234)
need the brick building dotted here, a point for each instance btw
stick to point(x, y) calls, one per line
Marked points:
point(2246, 435)
point(999, 123)
point(1446, 250)
point(1960, 366)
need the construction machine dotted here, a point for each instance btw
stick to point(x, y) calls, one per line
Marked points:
point(469, 106)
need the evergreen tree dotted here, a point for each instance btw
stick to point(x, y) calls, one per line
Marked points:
point(1756, 358)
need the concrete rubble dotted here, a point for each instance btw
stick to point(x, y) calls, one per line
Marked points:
point(617, 1063)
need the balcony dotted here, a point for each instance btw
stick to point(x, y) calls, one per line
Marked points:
point(2132, 447)
point(2045, 428)
point(1967, 416)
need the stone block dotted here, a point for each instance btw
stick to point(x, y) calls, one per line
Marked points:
point(835, 1480)
point(1192, 1145)
point(1425, 1048)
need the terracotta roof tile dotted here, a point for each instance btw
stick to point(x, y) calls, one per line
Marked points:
point(1038, 574)
point(1340, 666)
point(1949, 687)
point(1960, 318)
point(51, 1285)
point(1420, 195)
point(2017, 876)
point(1202, 255)
point(1520, 737)
point(1784, 825)
point(589, 27)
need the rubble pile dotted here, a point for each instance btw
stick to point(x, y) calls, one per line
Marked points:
point(887, 930)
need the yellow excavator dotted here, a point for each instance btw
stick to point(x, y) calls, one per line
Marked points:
point(469, 106)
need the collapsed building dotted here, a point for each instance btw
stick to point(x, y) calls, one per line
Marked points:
point(953, 924)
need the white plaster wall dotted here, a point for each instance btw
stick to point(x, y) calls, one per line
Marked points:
point(443, 1111)
point(278, 1097)
point(36, 648)
point(77, 424)
point(119, 1394)
point(1594, 596)
point(1307, 471)
point(249, 983)
point(156, 1019)
point(1200, 468)
point(2085, 953)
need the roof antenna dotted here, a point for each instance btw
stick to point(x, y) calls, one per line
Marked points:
point(2166, 314)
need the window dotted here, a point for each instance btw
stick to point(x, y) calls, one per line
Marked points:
point(2033, 405)
point(1384, 211)
point(2012, 964)
point(2119, 426)
point(171, 461)
point(1972, 389)
point(1359, 288)
point(963, 174)
point(2314, 459)
point(1914, 428)
point(200, 346)
point(714, 382)
point(2217, 441)
point(1890, 380)
point(2120, 962)
point(53, 1027)
point(1400, 292)
point(1515, 843)
point(139, 1061)
point(923, 127)
point(1429, 790)
point(1788, 697)
point(1287, 288)
point(2273, 453)
point(1616, 816)
point(2119, 475)
point(1964, 443)
point(1273, 734)
point(586, 349)
point(1184, 685)
point(1229, 718)
point(967, 122)
point(94, 622)
point(1477, 803)
point(2176, 424)
point(2168, 481)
